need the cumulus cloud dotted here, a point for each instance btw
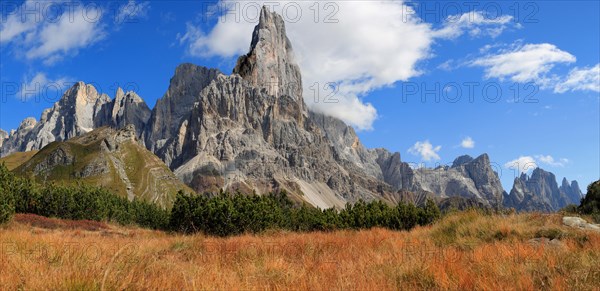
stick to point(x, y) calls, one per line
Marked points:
point(523, 164)
point(527, 163)
point(533, 63)
point(475, 23)
point(132, 11)
point(426, 150)
point(549, 160)
point(63, 33)
point(40, 85)
point(467, 143)
point(360, 46)
point(523, 63)
point(585, 79)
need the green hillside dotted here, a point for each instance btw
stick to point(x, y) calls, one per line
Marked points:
point(109, 158)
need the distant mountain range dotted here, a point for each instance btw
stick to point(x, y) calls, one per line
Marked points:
point(248, 131)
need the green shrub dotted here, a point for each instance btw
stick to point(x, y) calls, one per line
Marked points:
point(590, 204)
point(78, 202)
point(225, 214)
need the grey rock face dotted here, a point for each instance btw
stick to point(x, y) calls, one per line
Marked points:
point(3, 136)
point(126, 109)
point(475, 179)
point(571, 191)
point(270, 64)
point(80, 110)
point(176, 105)
point(395, 172)
point(72, 115)
point(461, 161)
point(347, 146)
point(538, 192)
point(468, 178)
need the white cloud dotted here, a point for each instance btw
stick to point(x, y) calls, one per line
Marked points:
point(524, 63)
point(533, 63)
point(467, 143)
point(586, 79)
point(53, 38)
point(549, 160)
point(372, 45)
point(527, 163)
point(426, 150)
point(475, 23)
point(132, 11)
point(523, 164)
point(41, 86)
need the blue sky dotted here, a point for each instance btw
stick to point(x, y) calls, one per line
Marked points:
point(431, 80)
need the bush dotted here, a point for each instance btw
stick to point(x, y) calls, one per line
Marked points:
point(7, 210)
point(225, 214)
point(590, 204)
point(221, 215)
point(78, 202)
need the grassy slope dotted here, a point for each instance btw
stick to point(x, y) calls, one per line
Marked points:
point(15, 160)
point(463, 251)
point(150, 177)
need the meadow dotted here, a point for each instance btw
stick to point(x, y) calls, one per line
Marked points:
point(464, 250)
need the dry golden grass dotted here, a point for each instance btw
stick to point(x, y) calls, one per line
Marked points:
point(465, 251)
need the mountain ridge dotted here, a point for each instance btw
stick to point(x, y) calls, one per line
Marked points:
point(252, 131)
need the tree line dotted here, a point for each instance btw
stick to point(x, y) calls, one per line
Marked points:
point(227, 214)
point(22, 195)
point(223, 214)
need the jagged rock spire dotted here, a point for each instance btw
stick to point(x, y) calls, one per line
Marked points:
point(270, 63)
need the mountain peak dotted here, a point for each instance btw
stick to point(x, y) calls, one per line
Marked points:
point(270, 63)
point(461, 160)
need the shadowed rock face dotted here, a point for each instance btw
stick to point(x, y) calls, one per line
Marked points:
point(571, 191)
point(540, 192)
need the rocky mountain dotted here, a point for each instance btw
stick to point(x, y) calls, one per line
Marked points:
point(110, 158)
point(250, 131)
point(127, 108)
point(571, 191)
point(242, 133)
point(81, 109)
point(540, 192)
point(467, 177)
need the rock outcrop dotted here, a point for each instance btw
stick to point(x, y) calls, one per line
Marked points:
point(126, 109)
point(578, 222)
point(270, 64)
point(177, 103)
point(3, 136)
point(571, 191)
point(80, 110)
point(467, 177)
point(540, 192)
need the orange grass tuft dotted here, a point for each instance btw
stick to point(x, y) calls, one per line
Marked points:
point(464, 251)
